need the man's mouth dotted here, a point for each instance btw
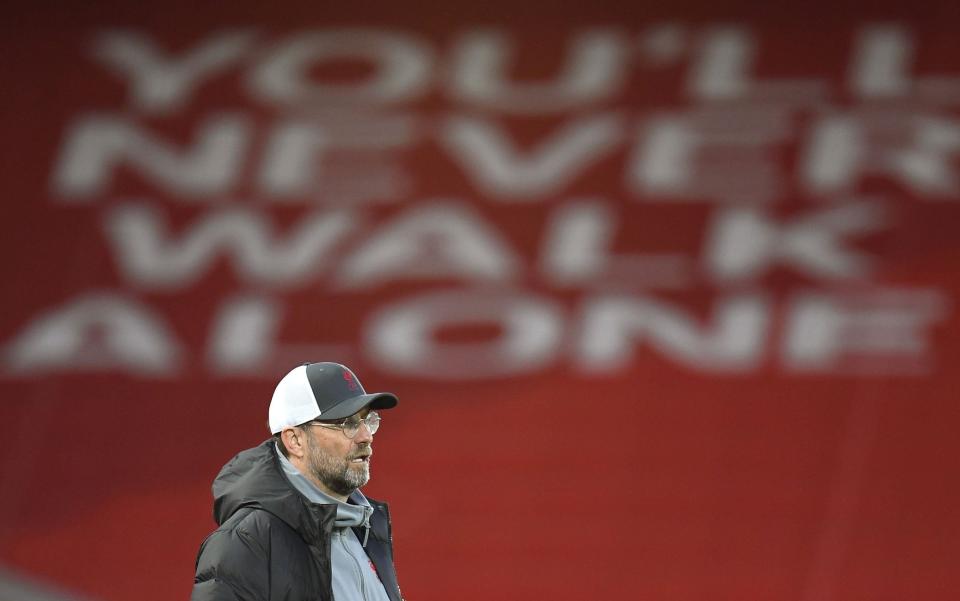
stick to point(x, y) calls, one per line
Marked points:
point(361, 458)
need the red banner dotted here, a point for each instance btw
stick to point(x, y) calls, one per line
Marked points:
point(670, 300)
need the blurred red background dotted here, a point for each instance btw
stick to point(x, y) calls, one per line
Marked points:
point(668, 293)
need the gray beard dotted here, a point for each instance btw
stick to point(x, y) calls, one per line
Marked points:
point(338, 475)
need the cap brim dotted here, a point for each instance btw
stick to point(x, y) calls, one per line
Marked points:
point(380, 400)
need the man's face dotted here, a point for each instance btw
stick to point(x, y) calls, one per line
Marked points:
point(341, 464)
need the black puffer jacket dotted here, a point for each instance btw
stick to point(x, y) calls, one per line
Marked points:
point(273, 544)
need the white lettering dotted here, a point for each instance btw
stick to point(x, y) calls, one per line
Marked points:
point(243, 334)
point(297, 151)
point(743, 243)
point(917, 150)
point(881, 60)
point(159, 83)
point(436, 240)
point(725, 154)
point(97, 145)
point(402, 338)
point(577, 250)
point(151, 258)
point(401, 68)
point(882, 332)
point(95, 332)
point(722, 69)
point(487, 155)
point(613, 326)
point(593, 71)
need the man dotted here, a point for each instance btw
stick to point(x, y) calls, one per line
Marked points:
point(293, 522)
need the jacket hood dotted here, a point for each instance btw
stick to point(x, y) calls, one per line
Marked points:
point(254, 478)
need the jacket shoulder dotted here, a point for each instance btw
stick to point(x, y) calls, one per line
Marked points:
point(234, 562)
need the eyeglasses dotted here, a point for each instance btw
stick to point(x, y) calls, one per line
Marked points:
point(351, 425)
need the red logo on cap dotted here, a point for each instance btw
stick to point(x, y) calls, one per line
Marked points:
point(351, 383)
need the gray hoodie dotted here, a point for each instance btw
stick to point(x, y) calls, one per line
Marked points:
point(354, 578)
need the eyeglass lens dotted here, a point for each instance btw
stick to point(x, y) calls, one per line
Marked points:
point(352, 427)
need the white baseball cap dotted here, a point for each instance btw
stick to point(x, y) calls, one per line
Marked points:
point(324, 390)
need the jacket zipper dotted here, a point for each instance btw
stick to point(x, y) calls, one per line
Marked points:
point(363, 584)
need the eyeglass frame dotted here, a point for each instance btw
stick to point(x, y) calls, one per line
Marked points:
point(342, 424)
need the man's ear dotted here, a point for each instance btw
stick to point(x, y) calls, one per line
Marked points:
point(293, 441)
